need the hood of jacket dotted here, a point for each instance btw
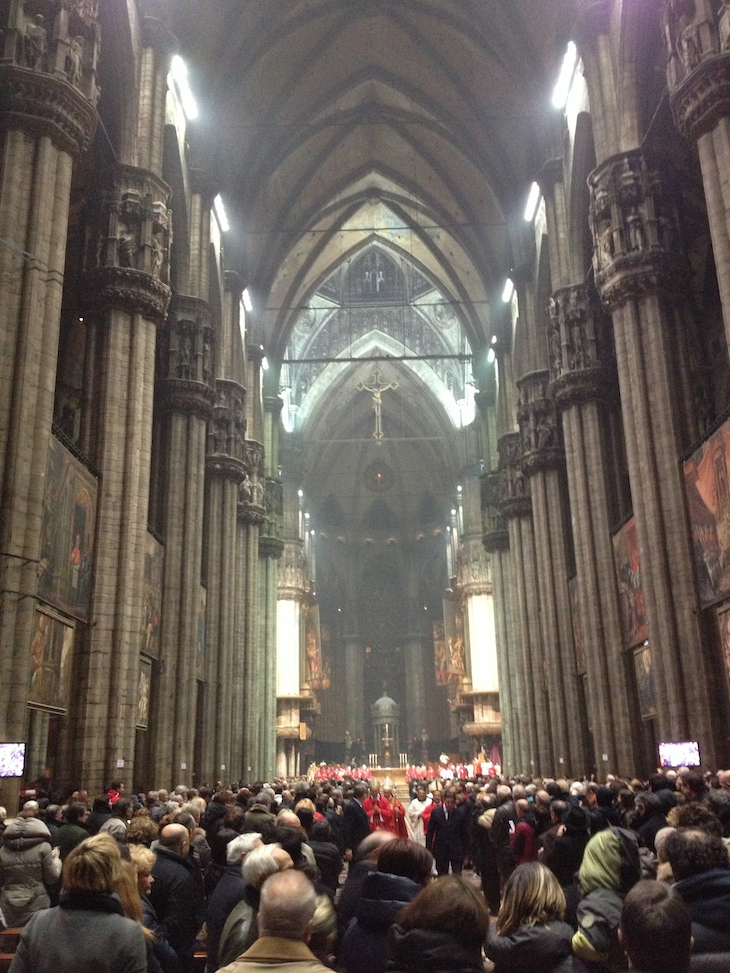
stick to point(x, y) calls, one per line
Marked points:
point(433, 951)
point(610, 861)
point(382, 897)
point(22, 833)
point(531, 949)
point(708, 897)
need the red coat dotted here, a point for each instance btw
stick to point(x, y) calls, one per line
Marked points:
point(398, 824)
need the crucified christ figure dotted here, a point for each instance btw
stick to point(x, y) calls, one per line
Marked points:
point(377, 389)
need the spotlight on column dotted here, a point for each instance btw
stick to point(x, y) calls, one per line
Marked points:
point(509, 289)
point(220, 212)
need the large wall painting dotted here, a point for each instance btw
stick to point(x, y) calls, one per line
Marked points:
point(707, 487)
point(143, 694)
point(645, 687)
point(313, 670)
point(154, 556)
point(723, 620)
point(51, 657)
point(66, 565)
point(448, 645)
point(630, 588)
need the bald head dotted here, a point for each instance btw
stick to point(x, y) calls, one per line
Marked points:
point(288, 901)
point(369, 847)
point(175, 837)
point(724, 779)
point(289, 819)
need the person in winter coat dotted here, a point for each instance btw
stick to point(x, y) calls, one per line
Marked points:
point(88, 929)
point(611, 866)
point(531, 936)
point(441, 931)
point(701, 869)
point(404, 867)
point(27, 865)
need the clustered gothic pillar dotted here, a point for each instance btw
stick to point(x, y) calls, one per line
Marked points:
point(125, 298)
point(542, 462)
point(580, 369)
point(496, 543)
point(642, 280)
point(186, 396)
point(528, 679)
point(49, 93)
point(698, 76)
point(415, 671)
point(271, 547)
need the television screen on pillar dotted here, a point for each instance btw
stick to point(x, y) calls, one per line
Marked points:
point(12, 759)
point(685, 754)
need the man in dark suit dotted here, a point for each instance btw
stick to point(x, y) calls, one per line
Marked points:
point(355, 824)
point(446, 836)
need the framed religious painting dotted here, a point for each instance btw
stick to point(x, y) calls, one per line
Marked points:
point(645, 687)
point(51, 657)
point(707, 490)
point(723, 621)
point(143, 694)
point(630, 587)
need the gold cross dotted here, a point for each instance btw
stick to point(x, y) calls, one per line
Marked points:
point(377, 389)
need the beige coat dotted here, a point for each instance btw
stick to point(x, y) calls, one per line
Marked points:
point(26, 863)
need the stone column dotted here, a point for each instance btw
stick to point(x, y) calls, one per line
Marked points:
point(251, 517)
point(641, 278)
point(542, 460)
point(354, 674)
point(697, 37)
point(49, 92)
point(186, 397)
point(125, 297)
point(225, 472)
point(495, 538)
point(582, 370)
point(270, 547)
point(416, 668)
point(526, 671)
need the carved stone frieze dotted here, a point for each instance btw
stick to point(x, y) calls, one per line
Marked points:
point(227, 431)
point(252, 491)
point(495, 536)
point(293, 579)
point(58, 41)
point(579, 347)
point(473, 576)
point(537, 415)
point(39, 104)
point(634, 226)
point(515, 499)
point(694, 32)
point(270, 547)
point(185, 357)
point(120, 288)
point(703, 97)
point(129, 224)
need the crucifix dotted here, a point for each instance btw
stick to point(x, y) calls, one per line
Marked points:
point(377, 389)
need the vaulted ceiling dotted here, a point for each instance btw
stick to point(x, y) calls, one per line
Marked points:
point(404, 132)
point(319, 108)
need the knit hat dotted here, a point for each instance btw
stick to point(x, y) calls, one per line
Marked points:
point(610, 861)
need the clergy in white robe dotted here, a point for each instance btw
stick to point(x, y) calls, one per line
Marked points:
point(414, 816)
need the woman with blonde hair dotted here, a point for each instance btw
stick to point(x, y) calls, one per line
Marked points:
point(88, 929)
point(531, 934)
point(140, 869)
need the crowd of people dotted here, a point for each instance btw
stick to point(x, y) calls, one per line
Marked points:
point(512, 875)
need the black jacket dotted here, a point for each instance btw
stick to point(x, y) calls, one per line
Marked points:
point(229, 891)
point(708, 898)
point(329, 861)
point(350, 894)
point(539, 949)
point(355, 825)
point(432, 951)
point(178, 898)
point(364, 947)
point(447, 837)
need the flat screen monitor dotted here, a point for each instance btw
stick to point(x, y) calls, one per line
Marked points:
point(685, 754)
point(12, 759)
